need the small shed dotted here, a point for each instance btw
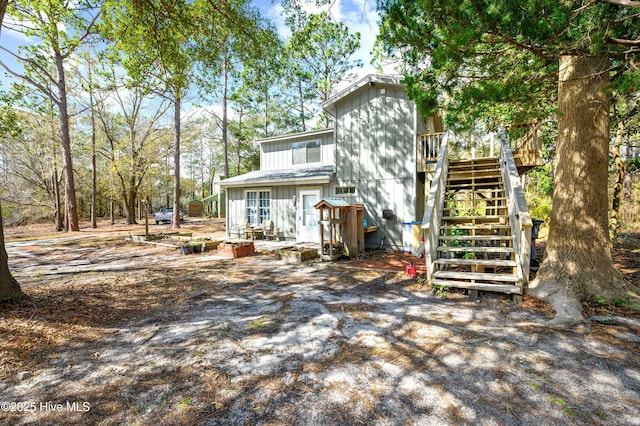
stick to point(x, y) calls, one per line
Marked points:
point(196, 208)
point(341, 228)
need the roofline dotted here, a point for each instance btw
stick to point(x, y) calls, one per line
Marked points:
point(295, 135)
point(371, 79)
point(278, 182)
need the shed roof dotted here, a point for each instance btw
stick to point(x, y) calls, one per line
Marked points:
point(298, 175)
point(331, 203)
point(299, 135)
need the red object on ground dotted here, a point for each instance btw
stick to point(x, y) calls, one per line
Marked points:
point(410, 270)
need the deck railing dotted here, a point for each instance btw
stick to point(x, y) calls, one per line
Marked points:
point(428, 147)
point(435, 203)
point(519, 216)
point(527, 149)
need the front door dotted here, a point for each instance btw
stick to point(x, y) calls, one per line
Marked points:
point(308, 216)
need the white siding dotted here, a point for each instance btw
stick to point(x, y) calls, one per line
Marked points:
point(283, 210)
point(375, 130)
point(275, 155)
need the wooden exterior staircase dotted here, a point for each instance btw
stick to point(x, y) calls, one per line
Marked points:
point(476, 225)
point(475, 245)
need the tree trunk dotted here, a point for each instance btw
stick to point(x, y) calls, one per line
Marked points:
point(129, 198)
point(301, 99)
point(628, 179)
point(58, 207)
point(577, 265)
point(618, 185)
point(94, 171)
point(9, 287)
point(65, 135)
point(239, 144)
point(225, 124)
point(112, 211)
point(176, 162)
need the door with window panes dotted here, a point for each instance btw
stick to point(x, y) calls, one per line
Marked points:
point(308, 216)
point(258, 208)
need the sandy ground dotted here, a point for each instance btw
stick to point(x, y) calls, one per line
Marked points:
point(120, 333)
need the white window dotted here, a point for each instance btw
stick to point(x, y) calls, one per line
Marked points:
point(345, 190)
point(306, 152)
point(258, 206)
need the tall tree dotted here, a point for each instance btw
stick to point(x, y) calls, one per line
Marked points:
point(322, 50)
point(153, 37)
point(61, 27)
point(9, 286)
point(231, 34)
point(505, 59)
point(131, 146)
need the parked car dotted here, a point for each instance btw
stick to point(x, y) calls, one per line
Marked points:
point(165, 215)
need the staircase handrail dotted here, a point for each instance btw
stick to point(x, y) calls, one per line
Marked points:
point(434, 207)
point(519, 216)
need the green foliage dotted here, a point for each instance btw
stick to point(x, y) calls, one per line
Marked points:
point(440, 290)
point(560, 402)
point(498, 60)
point(13, 298)
point(539, 192)
point(540, 207)
point(320, 50)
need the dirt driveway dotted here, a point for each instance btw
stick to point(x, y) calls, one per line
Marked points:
point(123, 333)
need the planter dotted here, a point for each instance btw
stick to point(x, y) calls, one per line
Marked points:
point(296, 254)
point(210, 245)
point(142, 238)
point(241, 249)
point(187, 249)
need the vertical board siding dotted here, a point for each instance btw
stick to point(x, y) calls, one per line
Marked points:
point(376, 154)
point(283, 211)
point(275, 155)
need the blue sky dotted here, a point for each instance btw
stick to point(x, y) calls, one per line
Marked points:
point(357, 15)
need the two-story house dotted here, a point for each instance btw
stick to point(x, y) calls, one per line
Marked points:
point(370, 157)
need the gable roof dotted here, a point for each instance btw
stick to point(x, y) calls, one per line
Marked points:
point(306, 174)
point(299, 135)
point(369, 81)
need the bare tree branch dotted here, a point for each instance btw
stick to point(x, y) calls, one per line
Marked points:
point(624, 3)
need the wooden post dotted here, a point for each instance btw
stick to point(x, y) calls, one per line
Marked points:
point(331, 229)
point(145, 203)
point(352, 231)
point(321, 232)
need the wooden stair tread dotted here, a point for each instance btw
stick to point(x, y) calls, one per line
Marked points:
point(493, 168)
point(480, 226)
point(502, 288)
point(477, 198)
point(482, 191)
point(479, 219)
point(477, 186)
point(476, 276)
point(501, 207)
point(458, 249)
point(480, 160)
point(488, 174)
point(475, 237)
point(483, 262)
